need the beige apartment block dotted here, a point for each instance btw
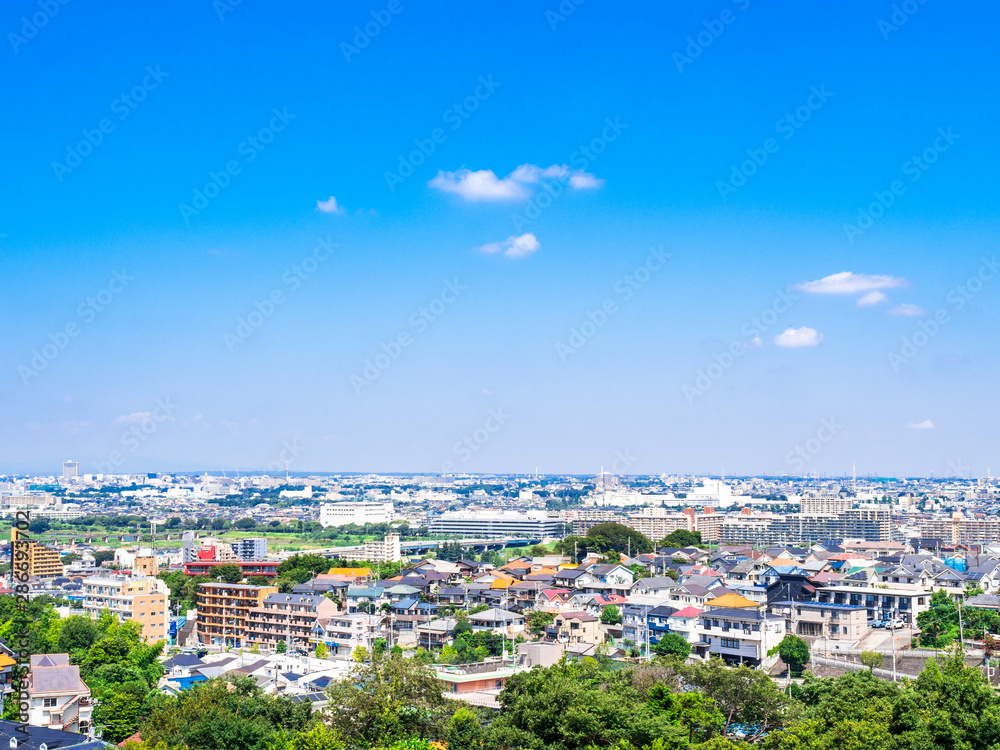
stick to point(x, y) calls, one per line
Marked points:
point(143, 599)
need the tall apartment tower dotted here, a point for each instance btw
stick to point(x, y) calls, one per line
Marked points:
point(71, 469)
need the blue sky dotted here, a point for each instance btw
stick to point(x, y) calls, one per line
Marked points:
point(711, 162)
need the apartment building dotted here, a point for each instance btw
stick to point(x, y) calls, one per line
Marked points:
point(57, 698)
point(893, 593)
point(223, 610)
point(342, 633)
point(358, 513)
point(498, 524)
point(250, 549)
point(837, 622)
point(740, 636)
point(959, 529)
point(287, 617)
point(386, 550)
point(872, 524)
point(145, 600)
point(33, 558)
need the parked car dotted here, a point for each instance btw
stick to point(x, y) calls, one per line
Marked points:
point(895, 624)
point(876, 623)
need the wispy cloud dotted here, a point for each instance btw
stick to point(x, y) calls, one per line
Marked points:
point(847, 282)
point(871, 299)
point(907, 310)
point(485, 185)
point(515, 246)
point(329, 206)
point(925, 425)
point(795, 338)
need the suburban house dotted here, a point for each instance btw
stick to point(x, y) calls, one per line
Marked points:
point(576, 627)
point(57, 697)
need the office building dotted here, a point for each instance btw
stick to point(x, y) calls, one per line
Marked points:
point(491, 524)
point(71, 469)
point(145, 600)
point(358, 513)
point(223, 610)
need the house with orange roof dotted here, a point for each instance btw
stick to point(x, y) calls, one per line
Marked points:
point(729, 601)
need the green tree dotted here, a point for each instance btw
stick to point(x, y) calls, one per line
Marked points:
point(614, 538)
point(871, 659)
point(794, 652)
point(119, 715)
point(385, 700)
point(245, 523)
point(282, 647)
point(321, 650)
point(748, 698)
point(697, 713)
point(672, 644)
point(77, 633)
point(360, 655)
point(464, 731)
point(610, 615)
point(681, 538)
point(229, 572)
point(537, 621)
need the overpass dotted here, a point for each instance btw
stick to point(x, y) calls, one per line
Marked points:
point(413, 548)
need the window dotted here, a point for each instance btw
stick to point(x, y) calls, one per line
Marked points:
point(729, 643)
point(48, 702)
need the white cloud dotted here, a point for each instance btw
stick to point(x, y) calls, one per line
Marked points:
point(925, 425)
point(134, 417)
point(755, 343)
point(484, 185)
point(794, 338)
point(846, 282)
point(907, 310)
point(329, 206)
point(871, 299)
point(513, 247)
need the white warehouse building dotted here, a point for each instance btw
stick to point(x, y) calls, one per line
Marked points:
point(341, 514)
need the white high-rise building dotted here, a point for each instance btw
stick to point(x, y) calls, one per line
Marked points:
point(360, 513)
point(71, 469)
